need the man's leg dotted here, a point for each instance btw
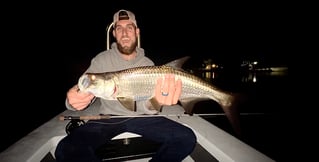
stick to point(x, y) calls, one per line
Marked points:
point(80, 145)
point(177, 140)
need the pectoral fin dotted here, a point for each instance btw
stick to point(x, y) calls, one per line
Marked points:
point(156, 104)
point(128, 103)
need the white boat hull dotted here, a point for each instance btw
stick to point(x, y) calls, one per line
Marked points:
point(223, 146)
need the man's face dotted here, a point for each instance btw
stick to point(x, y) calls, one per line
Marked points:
point(126, 33)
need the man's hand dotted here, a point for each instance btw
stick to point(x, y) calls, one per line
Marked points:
point(78, 100)
point(167, 90)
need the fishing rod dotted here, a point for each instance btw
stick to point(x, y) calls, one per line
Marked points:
point(77, 121)
point(100, 117)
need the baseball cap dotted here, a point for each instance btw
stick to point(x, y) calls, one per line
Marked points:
point(124, 15)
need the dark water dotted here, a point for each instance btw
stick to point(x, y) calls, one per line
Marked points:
point(262, 112)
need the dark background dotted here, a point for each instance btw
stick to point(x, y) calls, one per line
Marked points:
point(47, 46)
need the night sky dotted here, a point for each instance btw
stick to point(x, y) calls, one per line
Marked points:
point(227, 33)
point(47, 46)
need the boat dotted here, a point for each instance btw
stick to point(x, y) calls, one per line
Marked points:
point(213, 143)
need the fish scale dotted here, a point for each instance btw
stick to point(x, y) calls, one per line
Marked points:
point(140, 82)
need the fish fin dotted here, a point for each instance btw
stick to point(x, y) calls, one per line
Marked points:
point(178, 63)
point(232, 115)
point(156, 104)
point(232, 112)
point(230, 109)
point(189, 103)
point(128, 103)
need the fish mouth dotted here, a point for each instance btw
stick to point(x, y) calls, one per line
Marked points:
point(84, 82)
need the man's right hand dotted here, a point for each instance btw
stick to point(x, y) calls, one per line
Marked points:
point(78, 100)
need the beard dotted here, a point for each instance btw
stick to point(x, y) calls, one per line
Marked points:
point(127, 50)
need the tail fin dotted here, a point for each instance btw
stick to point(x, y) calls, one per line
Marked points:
point(233, 116)
point(232, 112)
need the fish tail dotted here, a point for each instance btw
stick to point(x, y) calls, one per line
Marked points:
point(233, 114)
point(233, 117)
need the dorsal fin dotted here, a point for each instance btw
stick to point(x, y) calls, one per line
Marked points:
point(178, 63)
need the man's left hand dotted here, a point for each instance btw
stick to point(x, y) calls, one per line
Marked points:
point(168, 90)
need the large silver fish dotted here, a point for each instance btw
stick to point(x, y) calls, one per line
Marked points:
point(130, 85)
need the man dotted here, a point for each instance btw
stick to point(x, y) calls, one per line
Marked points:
point(177, 141)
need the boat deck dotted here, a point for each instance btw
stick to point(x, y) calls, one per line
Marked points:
point(213, 144)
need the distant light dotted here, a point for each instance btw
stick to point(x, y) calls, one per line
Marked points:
point(214, 66)
point(255, 62)
point(254, 78)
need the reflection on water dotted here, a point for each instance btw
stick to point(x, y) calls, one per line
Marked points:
point(208, 75)
point(251, 77)
point(266, 91)
point(245, 77)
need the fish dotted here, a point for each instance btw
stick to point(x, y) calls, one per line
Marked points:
point(138, 83)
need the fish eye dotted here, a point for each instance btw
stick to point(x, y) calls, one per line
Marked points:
point(93, 77)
